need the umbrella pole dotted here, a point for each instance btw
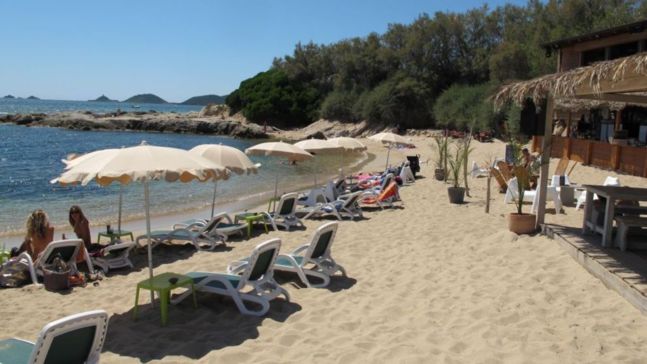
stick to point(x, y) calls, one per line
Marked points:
point(387, 158)
point(148, 235)
point(121, 193)
point(213, 202)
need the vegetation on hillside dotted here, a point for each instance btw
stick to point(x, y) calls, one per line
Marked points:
point(204, 100)
point(437, 71)
point(146, 99)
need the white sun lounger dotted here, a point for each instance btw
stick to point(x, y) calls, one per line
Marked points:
point(73, 339)
point(206, 238)
point(255, 272)
point(315, 254)
point(67, 250)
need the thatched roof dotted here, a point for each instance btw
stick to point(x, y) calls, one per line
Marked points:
point(590, 81)
point(581, 105)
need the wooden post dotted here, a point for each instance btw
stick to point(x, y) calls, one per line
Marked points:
point(487, 193)
point(618, 120)
point(589, 152)
point(615, 156)
point(545, 161)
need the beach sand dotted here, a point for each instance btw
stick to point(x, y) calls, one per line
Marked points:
point(428, 282)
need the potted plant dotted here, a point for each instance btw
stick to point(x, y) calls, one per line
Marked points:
point(520, 222)
point(456, 192)
point(442, 145)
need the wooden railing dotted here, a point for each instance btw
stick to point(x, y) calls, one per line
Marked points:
point(621, 158)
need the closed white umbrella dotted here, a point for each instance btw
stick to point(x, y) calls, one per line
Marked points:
point(319, 146)
point(279, 149)
point(391, 140)
point(142, 163)
point(229, 157)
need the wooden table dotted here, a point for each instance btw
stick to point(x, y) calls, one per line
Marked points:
point(612, 194)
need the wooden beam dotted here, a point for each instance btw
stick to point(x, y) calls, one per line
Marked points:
point(631, 82)
point(545, 161)
point(616, 97)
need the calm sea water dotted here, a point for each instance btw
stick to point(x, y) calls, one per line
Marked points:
point(31, 156)
point(23, 106)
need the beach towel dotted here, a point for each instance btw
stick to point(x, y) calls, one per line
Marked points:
point(14, 273)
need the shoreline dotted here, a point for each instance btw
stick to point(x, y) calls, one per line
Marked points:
point(149, 121)
point(136, 222)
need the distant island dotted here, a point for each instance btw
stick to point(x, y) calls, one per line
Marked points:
point(146, 99)
point(9, 97)
point(33, 98)
point(102, 98)
point(204, 100)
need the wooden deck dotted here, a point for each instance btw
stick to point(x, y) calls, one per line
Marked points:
point(624, 272)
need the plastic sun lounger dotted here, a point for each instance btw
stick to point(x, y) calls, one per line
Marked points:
point(317, 254)
point(285, 213)
point(386, 198)
point(67, 250)
point(225, 227)
point(114, 256)
point(345, 206)
point(204, 239)
point(73, 339)
point(255, 272)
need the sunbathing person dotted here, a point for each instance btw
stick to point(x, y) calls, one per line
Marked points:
point(39, 234)
point(81, 226)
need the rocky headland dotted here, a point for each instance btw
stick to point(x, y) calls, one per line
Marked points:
point(196, 123)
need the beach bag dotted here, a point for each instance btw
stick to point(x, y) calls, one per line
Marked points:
point(56, 275)
point(14, 273)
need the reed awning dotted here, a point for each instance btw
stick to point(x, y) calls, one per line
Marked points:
point(612, 83)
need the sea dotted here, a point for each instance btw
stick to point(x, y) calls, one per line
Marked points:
point(30, 157)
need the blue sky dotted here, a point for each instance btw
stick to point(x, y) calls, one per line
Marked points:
point(78, 50)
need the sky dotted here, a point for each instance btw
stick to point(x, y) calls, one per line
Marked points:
point(80, 49)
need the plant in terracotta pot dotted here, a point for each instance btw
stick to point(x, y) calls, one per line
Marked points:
point(519, 222)
point(442, 147)
point(456, 192)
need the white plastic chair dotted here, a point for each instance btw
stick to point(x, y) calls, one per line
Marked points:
point(313, 259)
point(407, 175)
point(73, 339)
point(256, 272)
point(609, 181)
point(512, 194)
point(478, 172)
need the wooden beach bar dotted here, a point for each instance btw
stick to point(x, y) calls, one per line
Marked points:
point(616, 157)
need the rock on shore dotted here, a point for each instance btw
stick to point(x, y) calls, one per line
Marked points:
point(143, 121)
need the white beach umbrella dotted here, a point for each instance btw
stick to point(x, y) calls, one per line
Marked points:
point(143, 163)
point(350, 145)
point(319, 146)
point(279, 149)
point(74, 159)
point(229, 157)
point(391, 140)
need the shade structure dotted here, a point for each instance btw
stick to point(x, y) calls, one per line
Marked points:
point(279, 149)
point(229, 157)
point(142, 163)
point(391, 140)
point(319, 146)
point(349, 144)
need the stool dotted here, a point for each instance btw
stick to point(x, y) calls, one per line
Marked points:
point(161, 284)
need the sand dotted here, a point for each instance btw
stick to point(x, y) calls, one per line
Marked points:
point(428, 282)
